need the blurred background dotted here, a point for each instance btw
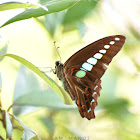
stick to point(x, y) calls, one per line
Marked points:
point(117, 115)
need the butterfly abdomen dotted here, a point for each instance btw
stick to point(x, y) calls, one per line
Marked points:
point(60, 75)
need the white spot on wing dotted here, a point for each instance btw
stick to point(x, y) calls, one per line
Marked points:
point(102, 51)
point(94, 93)
point(106, 46)
point(117, 39)
point(95, 87)
point(112, 42)
point(92, 60)
point(80, 74)
point(98, 56)
point(89, 110)
point(92, 101)
point(87, 66)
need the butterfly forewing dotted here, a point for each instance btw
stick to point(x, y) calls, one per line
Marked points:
point(83, 70)
point(89, 51)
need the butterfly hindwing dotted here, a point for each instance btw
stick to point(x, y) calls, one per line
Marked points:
point(81, 73)
point(86, 92)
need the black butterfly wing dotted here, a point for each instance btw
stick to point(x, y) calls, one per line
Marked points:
point(84, 69)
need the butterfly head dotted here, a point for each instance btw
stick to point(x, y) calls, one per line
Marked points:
point(58, 69)
point(57, 63)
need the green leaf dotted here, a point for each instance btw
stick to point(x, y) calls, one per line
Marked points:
point(17, 4)
point(81, 28)
point(52, 6)
point(65, 97)
point(2, 129)
point(49, 123)
point(118, 109)
point(52, 22)
point(28, 133)
point(134, 32)
point(9, 126)
point(14, 124)
point(29, 93)
point(40, 98)
point(79, 11)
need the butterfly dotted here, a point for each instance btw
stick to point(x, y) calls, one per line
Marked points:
point(81, 73)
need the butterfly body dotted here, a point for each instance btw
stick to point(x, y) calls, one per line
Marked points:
point(81, 73)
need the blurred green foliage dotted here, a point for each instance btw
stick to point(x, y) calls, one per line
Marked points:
point(36, 104)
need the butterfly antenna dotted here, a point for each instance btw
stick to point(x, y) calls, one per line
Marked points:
point(57, 50)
